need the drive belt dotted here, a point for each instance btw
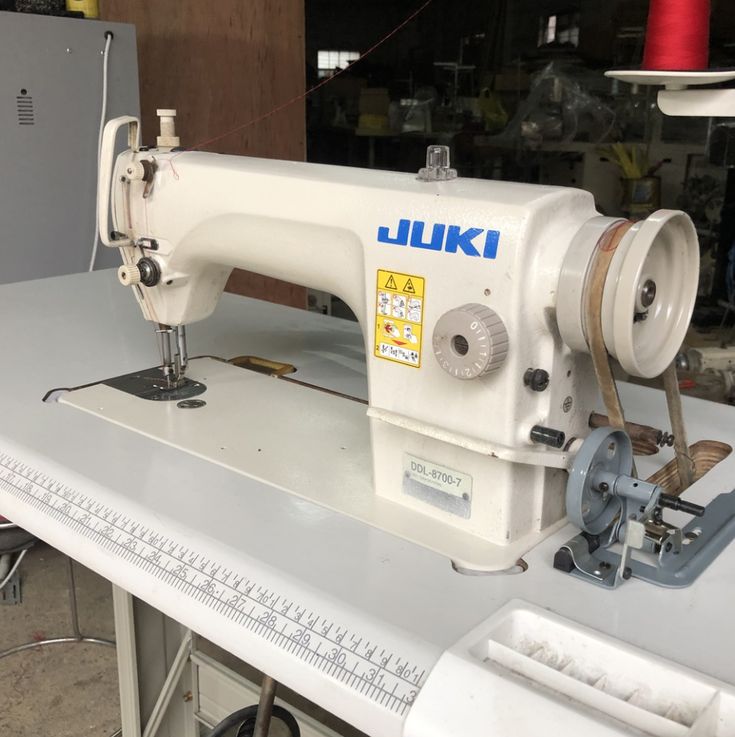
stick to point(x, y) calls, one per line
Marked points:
point(593, 297)
point(594, 291)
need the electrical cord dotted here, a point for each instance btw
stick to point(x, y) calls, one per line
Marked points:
point(247, 728)
point(14, 568)
point(103, 118)
point(244, 722)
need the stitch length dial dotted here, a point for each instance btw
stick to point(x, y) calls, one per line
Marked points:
point(470, 341)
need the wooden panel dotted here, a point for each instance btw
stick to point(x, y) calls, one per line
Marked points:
point(222, 64)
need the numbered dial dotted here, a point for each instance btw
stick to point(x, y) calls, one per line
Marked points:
point(470, 341)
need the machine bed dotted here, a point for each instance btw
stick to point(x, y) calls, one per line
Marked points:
point(128, 507)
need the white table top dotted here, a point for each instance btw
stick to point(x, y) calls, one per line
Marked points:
point(72, 330)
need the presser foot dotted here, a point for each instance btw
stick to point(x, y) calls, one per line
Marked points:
point(152, 384)
point(702, 540)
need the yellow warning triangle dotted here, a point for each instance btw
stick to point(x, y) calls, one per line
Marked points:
point(391, 283)
point(409, 287)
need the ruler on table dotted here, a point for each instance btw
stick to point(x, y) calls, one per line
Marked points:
point(377, 672)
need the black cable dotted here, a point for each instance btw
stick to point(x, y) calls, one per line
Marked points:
point(235, 719)
point(244, 720)
point(247, 728)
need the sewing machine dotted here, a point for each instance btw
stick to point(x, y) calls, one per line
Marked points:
point(479, 303)
point(255, 522)
point(487, 314)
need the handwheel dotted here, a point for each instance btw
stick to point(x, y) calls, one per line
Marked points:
point(589, 508)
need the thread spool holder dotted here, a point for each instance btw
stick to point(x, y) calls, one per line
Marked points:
point(677, 100)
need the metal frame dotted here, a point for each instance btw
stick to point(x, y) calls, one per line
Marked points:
point(211, 690)
point(76, 635)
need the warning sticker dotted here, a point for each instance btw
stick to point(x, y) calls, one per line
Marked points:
point(399, 317)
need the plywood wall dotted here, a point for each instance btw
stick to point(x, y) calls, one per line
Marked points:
point(222, 63)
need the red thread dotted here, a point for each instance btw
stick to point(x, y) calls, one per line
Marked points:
point(308, 92)
point(677, 37)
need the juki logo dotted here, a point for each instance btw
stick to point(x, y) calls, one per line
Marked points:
point(449, 238)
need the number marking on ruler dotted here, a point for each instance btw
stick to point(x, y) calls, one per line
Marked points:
point(379, 673)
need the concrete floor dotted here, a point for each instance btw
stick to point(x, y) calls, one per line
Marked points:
point(67, 690)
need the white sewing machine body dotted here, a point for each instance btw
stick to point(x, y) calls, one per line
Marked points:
point(270, 217)
point(498, 266)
